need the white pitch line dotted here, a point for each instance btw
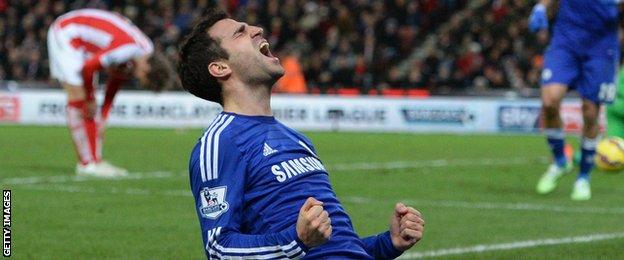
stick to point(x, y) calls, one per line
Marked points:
point(513, 245)
point(74, 178)
point(493, 205)
point(114, 190)
point(433, 253)
point(335, 167)
point(358, 200)
point(434, 163)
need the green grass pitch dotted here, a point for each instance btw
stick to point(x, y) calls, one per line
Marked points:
point(476, 193)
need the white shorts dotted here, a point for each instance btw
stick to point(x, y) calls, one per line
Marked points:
point(65, 62)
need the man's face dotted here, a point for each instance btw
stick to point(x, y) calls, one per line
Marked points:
point(250, 58)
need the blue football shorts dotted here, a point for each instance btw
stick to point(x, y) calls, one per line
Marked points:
point(590, 71)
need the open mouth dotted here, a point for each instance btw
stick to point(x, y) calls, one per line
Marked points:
point(264, 49)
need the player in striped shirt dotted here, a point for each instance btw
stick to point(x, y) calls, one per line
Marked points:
point(261, 191)
point(82, 43)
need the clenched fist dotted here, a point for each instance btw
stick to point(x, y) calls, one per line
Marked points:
point(313, 225)
point(406, 227)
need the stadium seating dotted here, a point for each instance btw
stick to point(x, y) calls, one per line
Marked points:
point(444, 47)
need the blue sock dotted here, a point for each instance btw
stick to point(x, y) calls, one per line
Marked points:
point(555, 138)
point(588, 150)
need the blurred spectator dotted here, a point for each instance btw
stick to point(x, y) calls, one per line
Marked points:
point(344, 43)
point(293, 81)
point(487, 46)
point(478, 44)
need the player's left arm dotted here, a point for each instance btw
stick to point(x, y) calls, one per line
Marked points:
point(406, 229)
point(118, 62)
point(116, 77)
point(538, 20)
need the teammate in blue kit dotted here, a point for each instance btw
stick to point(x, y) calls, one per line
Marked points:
point(260, 189)
point(583, 55)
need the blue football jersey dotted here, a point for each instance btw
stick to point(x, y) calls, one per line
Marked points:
point(250, 175)
point(586, 20)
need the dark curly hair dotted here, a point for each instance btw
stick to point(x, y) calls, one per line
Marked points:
point(197, 51)
point(161, 75)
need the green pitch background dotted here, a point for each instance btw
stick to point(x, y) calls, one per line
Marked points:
point(472, 190)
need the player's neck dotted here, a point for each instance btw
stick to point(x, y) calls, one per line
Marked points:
point(252, 101)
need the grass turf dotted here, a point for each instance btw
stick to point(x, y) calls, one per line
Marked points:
point(471, 189)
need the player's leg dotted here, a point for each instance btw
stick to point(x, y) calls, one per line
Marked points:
point(591, 111)
point(102, 119)
point(111, 91)
point(86, 136)
point(77, 103)
point(589, 140)
point(596, 86)
point(560, 70)
point(551, 95)
point(78, 127)
point(65, 66)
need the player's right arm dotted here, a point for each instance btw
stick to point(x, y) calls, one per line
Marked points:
point(218, 183)
point(539, 16)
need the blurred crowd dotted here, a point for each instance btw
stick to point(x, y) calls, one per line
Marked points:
point(24, 25)
point(438, 45)
point(484, 46)
point(351, 43)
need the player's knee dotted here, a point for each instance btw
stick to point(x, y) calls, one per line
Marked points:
point(550, 108)
point(74, 92)
point(591, 111)
point(552, 94)
point(550, 102)
point(590, 116)
point(551, 99)
point(590, 121)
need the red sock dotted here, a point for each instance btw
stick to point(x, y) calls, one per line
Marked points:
point(107, 105)
point(91, 127)
point(77, 128)
point(101, 125)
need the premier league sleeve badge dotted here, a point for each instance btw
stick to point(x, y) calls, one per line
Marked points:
point(213, 202)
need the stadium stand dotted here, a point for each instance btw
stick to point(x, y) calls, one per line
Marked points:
point(357, 47)
point(353, 42)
